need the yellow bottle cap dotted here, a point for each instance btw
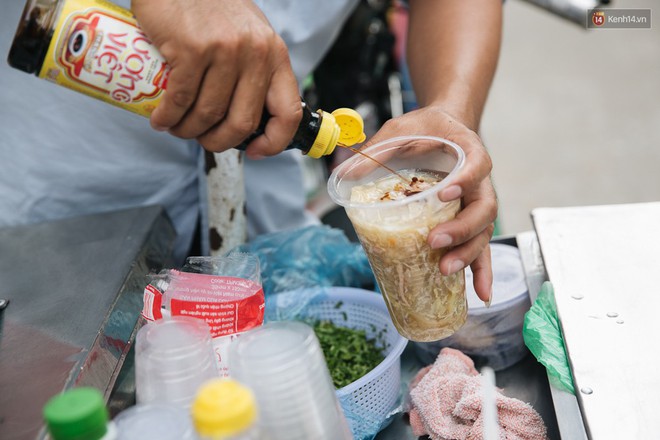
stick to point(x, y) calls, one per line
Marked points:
point(351, 126)
point(326, 139)
point(223, 407)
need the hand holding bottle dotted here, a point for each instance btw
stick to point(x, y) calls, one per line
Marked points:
point(227, 65)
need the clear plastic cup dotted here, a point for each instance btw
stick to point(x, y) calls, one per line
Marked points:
point(283, 364)
point(164, 422)
point(424, 304)
point(173, 357)
point(491, 336)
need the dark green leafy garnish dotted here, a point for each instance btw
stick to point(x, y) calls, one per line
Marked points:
point(348, 352)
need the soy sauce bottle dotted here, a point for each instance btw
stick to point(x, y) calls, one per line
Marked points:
point(319, 132)
point(96, 47)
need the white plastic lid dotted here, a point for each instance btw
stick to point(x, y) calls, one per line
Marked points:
point(508, 280)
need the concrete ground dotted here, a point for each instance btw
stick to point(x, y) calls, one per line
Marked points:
point(573, 116)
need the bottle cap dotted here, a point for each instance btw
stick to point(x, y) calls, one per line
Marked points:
point(351, 126)
point(223, 407)
point(77, 414)
point(326, 139)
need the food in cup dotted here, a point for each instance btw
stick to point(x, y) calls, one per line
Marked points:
point(424, 304)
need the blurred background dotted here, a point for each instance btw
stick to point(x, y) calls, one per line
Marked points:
point(573, 116)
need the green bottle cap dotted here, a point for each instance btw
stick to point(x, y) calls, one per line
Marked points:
point(77, 414)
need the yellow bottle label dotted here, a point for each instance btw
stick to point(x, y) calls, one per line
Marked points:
point(97, 49)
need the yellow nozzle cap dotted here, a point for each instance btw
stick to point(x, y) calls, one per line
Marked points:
point(223, 407)
point(351, 126)
point(326, 139)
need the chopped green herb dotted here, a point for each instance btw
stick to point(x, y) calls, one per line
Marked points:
point(339, 304)
point(348, 352)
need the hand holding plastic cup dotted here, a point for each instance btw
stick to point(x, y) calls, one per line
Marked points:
point(423, 304)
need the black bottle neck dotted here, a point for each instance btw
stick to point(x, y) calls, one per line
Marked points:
point(306, 134)
point(33, 36)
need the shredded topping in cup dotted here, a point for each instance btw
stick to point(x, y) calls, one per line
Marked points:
point(391, 187)
point(424, 304)
point(400, 190)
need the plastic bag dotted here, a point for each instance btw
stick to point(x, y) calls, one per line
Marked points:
point(310, 257)
point(544, 339)
point(236, 264)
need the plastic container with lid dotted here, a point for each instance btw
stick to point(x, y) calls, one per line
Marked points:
point(79, 414)
point(491, 336)
point(97, 48)
point(225, 410)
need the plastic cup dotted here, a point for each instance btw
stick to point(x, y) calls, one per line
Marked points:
point(491, 336)
point(164, 422)
point(424, 304)
point(283, 364)
point(173, 358)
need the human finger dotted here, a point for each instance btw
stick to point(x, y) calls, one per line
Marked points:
point(482, 276)
point(479, 212)
point(182, 88)
point(477, 167)
point(465, 254)
point(285, 109)
point(213, 101)
point(245, 108)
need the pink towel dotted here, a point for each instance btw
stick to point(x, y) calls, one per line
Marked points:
point(446, 404)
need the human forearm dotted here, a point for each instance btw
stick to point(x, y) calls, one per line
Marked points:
point(453, 47)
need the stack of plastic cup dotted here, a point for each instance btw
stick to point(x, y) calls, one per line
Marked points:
point(283, 364)
point(173, 358)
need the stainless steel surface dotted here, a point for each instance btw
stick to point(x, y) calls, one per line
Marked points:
point(526, 380)
point(569, 417)
point(76, 293)
point(602, 261)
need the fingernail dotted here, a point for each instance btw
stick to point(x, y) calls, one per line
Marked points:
point(440, 241)
point(455, 266)
point(490, 298)
point(160, 128)
point(451, 193)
